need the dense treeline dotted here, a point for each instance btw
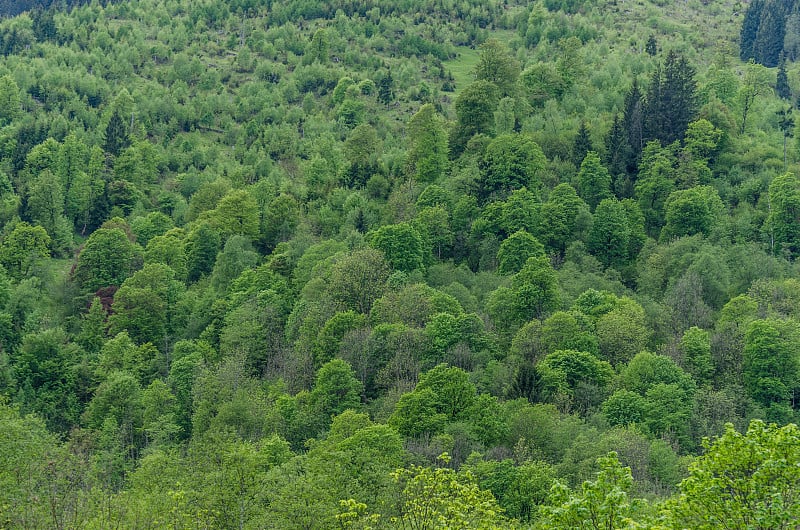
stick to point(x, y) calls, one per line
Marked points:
point(412, 264)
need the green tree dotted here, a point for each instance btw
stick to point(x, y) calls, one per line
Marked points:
point(696, 347)
point(202, 245)
point(600, 504)
point(784, 210)
point(671, 101)
point(771, 368)
point(116, 135)
point(515, 251)
point(10, 107)
point(655, 183)
point(560, 218)
point(609, 237)
point(475, 107)
point(401, 244)
point(336, 389)
point(427, 153)
point(535, 289)
point(694, 211)
point(236, 214)
point(358, 279)
point(440, 498)
point(24, 249)
point(511, 162)
point(742, 481)
point(497, 66)
point(593, 181)
point(755, 83)
point(106, 259)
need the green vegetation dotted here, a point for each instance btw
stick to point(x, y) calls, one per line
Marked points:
point(423, 264)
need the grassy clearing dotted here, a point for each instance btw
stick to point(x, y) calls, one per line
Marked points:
point(463, 66)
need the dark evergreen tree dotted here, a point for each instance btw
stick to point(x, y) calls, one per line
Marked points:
point(386, 89)
point(583, 144)
point(117, 137)
point(633, 124)
point(651, 47)
point(768, 44)
point(618, 152)
point(749, 29)
point(782, 82)
point(671, 101)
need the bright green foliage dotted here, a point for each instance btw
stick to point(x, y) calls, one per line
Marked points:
point(784, 195)
point(511, 161)
point(624, 407)
point(519, 489)
point(600, 504)
point(433, 224)
point(23, 249)
point(358, 279)
point(564, 370)
point(693, 211)
point(168, 249)
point(235, 215)
point(654, 185)
point(609, 237)
point(331, 334)
point(106, 259)
point(497, 66)
point(771, 368)
point(416, 414)
point(454, 392)
point(237, 256)
point(594, 180)
point(647, 369)
point(475, 108)
point(427, 156)
point(515, 251)
point(560, 217)
point(46, 200)
point(696, 347)
point(743, 481)
point(147, 227)
point(442, 499)
point(27, 449)
point(401, 244)
point(535, 289)
point(621, 333)
point(9, 100)
point(117, 398)
point(202, 244)
point(336, 389)
point(568, 331)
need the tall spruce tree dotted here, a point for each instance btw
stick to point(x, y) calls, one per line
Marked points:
point(749, 29)
point(782, 81)
point(671, 102)
point(117, 137)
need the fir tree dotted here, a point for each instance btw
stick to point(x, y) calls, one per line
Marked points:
point(782, 81)
point(583, 144)
point(116, 135)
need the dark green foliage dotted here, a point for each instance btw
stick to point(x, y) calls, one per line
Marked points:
point(609, 237)
point(106, 259)
point(782, 82)
point(401, 245)
point(116, 135)
point(263, 256)
point(511, 161)
point(475, 108)
point(671, 100)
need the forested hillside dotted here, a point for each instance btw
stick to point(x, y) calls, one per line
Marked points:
point(399, 264)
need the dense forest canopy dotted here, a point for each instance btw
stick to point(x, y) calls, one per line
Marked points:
point(399, 264)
